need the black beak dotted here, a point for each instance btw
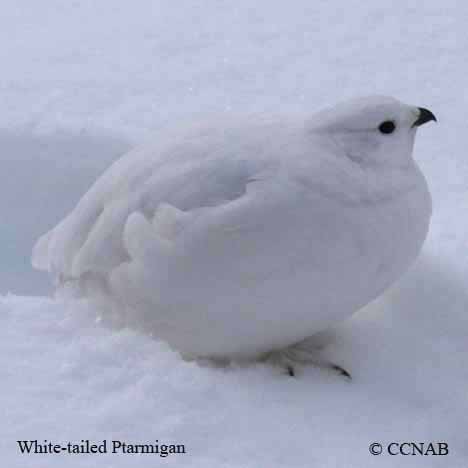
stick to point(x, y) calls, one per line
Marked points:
point(425, 115)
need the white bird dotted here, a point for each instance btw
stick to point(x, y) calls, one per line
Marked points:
point(240, 238)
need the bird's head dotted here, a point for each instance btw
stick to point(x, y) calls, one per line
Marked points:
point(373, 131)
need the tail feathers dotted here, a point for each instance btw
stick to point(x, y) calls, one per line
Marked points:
point(40, 255)
point(90, 285)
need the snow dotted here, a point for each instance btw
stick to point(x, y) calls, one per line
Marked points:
point(81, 83)
point(72, 378)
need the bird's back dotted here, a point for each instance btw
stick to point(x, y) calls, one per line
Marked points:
point(200, 166)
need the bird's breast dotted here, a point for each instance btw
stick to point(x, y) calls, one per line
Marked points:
point(392, 233)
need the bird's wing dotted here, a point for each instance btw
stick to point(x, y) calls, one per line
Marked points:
point(167, 193)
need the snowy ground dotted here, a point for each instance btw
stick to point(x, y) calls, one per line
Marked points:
point(81, 82)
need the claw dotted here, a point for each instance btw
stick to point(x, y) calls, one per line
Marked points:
point(341, 371)
point(293, 359)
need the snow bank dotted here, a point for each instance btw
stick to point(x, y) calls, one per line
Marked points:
point(67, 377)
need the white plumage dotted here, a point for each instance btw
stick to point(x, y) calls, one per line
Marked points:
point(236, 238)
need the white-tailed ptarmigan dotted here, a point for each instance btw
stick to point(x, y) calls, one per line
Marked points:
point(240, 238)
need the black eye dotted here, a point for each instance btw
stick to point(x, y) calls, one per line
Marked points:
point(387, 127)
